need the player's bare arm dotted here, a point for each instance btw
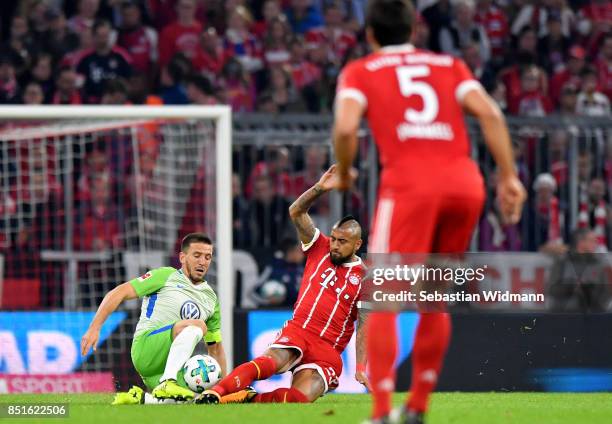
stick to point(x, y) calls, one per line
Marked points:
point(217, 351)
point(298, 211)
point(346, 126)
point(360, 349)
point(109, 304)
point(510, 191)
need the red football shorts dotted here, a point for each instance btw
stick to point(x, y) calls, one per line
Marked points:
point(437, 214)
point(315, 354)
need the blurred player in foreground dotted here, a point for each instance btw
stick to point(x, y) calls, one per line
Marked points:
point(178, 310)
point(431, 192)
point(310, 344)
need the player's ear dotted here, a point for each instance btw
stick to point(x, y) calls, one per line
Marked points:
point(182, 257)
point(371, 39)
point(358, 245)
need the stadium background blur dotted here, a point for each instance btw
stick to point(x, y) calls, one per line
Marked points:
point(547, 63)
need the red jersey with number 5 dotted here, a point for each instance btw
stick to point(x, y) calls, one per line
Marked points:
point(412, 100)
point(327, 301)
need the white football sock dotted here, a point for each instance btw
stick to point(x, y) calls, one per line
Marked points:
point(181, 350)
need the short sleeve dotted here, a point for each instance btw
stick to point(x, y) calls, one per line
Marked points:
point(465, 80)
point(213, 335)
point(152, 281)
point(351, 84)
point(319, 241)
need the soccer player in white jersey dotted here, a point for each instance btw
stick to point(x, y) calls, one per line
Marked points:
point(178, 310)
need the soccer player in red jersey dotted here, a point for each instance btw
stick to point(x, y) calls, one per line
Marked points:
point(310, 343)
point(431, 192)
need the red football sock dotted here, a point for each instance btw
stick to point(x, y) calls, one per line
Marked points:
point(282, 395)
point(382, 349)
point(431, 342)
point(258, 369)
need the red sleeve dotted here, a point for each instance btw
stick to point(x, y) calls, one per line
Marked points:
point(351, 83)
point(465, 80)
point(317, 246)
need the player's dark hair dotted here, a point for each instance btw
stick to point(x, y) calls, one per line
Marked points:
point(194, 238)
point(391, 21)
point(347, 218)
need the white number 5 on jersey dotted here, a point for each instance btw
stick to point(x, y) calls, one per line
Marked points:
point(410, 87)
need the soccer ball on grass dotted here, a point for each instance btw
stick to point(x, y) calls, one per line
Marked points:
point(201, 372)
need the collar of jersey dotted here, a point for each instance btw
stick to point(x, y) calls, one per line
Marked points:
point(398, 48)
point(354, 263)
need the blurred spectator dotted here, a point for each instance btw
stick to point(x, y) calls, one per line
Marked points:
point(267, 213)
point(240, 214)
point(98, 223)
point(275, 165)
point(239, 43)
point(481, 70)
point(557, 157)
point(200, 91)
point(173, 91)
point(421, 34)
point(59, 40)
point(553, 47)
point(595, 213)
point(276, 42)
point(498, 93)
point(33, 94)
point(284, 94)
point(567, 102)
point(182, 35)
point(86, 44)
point(332, 36)
point(104, 63)
point(210, 56)
point(595, 20)
point(495, 24)
point(531, 101)
point(96, 162)
point(306, 75)
point(591, 102)
point(527, 43)
point(568, 74)
point(86, 14)
point(463, 30)
point(115, 92)
point(303, 16)
point(577, 281)
point(9, 88)
point(536, 14)
point(20, 45)
point(265, 103)
point(271, 11)
point(546, 219)
point(36, 10)
point(437, 16)
point(236, 87)
point(604, 66)
point(285, 269)
point(66, 91)
point(138, 88)
point(138, 40)
point(585, 168)
point(42, 73)
point(496, 235)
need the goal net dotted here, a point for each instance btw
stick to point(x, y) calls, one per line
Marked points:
point(91, 197)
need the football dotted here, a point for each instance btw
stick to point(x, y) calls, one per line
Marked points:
point(274, 292)
point(201, 372)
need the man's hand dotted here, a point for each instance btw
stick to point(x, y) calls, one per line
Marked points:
point(90, 340)
point(362, 377)
point(333, 179)
point(511, 195)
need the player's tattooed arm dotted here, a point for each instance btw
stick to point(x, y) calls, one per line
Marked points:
point(298, 211)
point(360, 349)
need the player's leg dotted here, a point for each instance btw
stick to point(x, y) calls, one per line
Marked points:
point(307, 386)
point(275, 360)
point(186, 334)
point(406, 224)
point(457, 218)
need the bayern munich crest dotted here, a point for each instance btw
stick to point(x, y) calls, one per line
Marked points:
point(353, 279)
point(190, 310)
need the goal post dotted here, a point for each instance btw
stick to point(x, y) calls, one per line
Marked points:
point(76, 117)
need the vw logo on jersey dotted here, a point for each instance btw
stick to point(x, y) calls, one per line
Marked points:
point(190, 310)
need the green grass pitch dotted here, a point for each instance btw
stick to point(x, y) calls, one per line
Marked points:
point(459, 408)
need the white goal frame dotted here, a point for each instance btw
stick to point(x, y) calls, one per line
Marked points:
point(223, 151)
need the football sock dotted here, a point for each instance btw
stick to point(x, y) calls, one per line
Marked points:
point(431, 342)
point(180, 350)
point(282, 395)
point(259, 368)
point(382, 348)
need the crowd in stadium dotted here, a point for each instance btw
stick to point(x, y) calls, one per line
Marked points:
point(534, 57)
point(282, 56)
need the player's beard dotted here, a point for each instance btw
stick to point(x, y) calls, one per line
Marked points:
point(339, 260)
point(192, 277)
